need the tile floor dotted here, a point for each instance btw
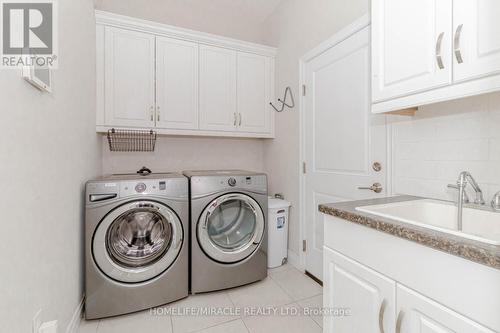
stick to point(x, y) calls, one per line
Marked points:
point(286, 291)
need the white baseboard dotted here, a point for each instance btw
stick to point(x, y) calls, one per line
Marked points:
point(74, 323)
point(294, 260)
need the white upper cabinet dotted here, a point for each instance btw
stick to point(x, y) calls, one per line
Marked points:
point(419, 314)
point(411, 40)
point(129, 78)
point(429, 51)
point(254, 93)
point(217, 89)
point(370, 297)
point(476, 26)
point(181, 82)
point(176, 84)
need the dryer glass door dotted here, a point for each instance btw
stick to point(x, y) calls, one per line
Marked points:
point(231, 228)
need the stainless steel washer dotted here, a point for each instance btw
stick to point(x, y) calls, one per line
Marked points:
point(228, 229)
point(135, 249)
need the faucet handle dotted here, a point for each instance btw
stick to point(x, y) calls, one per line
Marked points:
point(456, 187)
point(495, 202)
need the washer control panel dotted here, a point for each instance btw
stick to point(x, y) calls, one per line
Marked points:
point(101, 191)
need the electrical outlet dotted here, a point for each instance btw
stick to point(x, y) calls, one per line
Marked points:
point(37, 321)
point(48, 327)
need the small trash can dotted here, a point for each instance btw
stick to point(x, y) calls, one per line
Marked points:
point(277, 232)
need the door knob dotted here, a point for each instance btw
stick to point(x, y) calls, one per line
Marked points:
point(376, 187)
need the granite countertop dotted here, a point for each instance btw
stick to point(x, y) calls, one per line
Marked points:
point(472, 250)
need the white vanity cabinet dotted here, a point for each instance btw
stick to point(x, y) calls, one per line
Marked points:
point(218, 89)
point(181, 82)
point(176, 84)
point(369, 296)
point(419, 314)
point(427, 51)
point(392, 285)
point(476, 29)
point(254, 93)
point(129, 78)
point(406, 36)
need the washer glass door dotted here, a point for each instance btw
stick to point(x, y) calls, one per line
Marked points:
point(138, 237)
point(137, 241)
point(231, 228)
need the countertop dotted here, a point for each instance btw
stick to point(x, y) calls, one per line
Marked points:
point(472, 250)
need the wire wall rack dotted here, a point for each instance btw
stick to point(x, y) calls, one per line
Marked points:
point(122, 140)
point(288, 91)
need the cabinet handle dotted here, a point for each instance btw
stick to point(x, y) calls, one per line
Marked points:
point(458, 52)
point(399, 321)
point(151, 114)
point(381, 313)
point(157, 113)
point(240, 120)
point(235, 119)
point(439, 58)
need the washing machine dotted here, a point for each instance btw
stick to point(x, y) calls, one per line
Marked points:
point(135, 242)
point(228, 229)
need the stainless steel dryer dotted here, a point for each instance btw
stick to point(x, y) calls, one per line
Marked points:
point(135, 248)
point(228, 229)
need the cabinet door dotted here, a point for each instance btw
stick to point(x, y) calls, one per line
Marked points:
point(176, 84)
point(408, 38)
point(367, 295)
point(129, 78)
point(476, 39)
point(418, 314)
point(254, 93)
point(217, 89)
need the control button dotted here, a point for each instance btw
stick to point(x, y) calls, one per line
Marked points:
point(141, 187)
point(231, 181)
point(163, 186)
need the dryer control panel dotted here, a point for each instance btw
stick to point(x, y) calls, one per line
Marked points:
point(201, 185)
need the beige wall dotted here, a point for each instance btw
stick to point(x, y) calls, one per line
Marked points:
point(297, 26)
point(48, 149)
point(179, 153)
point(231, 18)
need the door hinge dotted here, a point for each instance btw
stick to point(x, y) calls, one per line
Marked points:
point(303, 90)
point(303, 167)
point(304, 245)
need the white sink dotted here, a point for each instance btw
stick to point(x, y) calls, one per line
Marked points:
point(477, 224)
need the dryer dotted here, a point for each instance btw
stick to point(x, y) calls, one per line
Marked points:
point(136, 253)
point(228, 229)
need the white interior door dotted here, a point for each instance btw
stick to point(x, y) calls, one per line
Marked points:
point(254, 93)
point(129, 78)
point(343, 139)
point(217, 89)
point(477, 42)
point(176, 84)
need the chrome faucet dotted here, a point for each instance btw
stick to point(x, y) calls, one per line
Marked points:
point(495, 202)
point(465, 178)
